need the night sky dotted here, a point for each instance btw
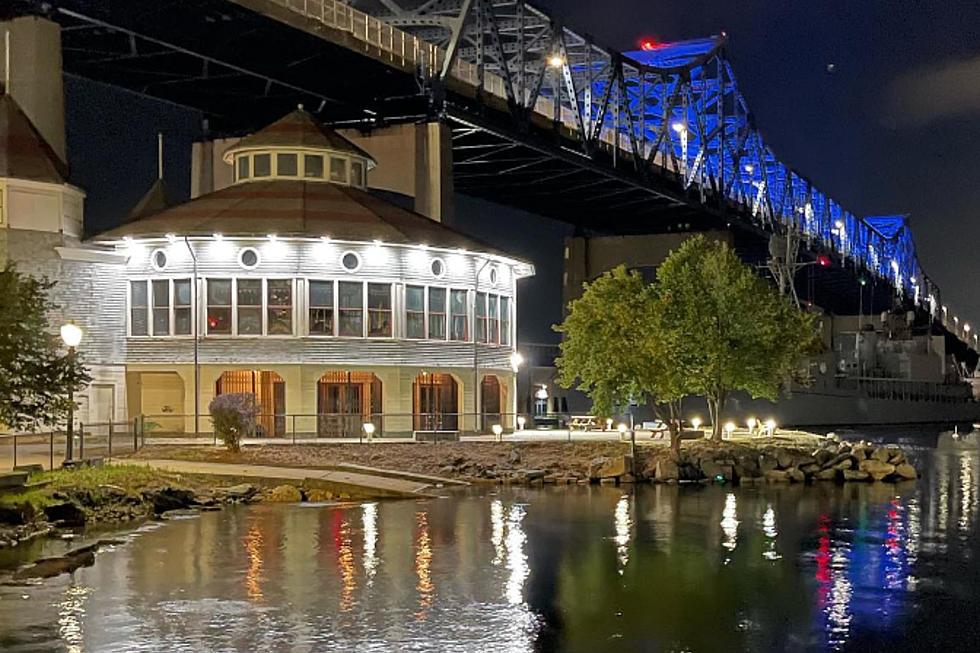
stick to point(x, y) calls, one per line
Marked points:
point(895, 128)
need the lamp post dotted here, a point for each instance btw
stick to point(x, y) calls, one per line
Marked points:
point(71, 335)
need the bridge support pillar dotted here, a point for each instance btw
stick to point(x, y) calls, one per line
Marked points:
point(588, 257)
point(414, 160)
point(35, 74)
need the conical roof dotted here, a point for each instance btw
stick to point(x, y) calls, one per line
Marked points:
point(298, 129)
point(24, 154)
point(155, 200)
point(298, 208)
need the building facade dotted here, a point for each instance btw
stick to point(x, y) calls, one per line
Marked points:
point(334, 307)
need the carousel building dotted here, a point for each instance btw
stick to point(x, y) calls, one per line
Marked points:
point(334, 307)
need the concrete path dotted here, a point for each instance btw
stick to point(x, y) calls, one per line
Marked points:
point(370, 483)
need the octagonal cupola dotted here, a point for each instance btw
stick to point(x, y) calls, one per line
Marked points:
point(299, 147)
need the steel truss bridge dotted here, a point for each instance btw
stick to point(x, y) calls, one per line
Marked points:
point(543, 118)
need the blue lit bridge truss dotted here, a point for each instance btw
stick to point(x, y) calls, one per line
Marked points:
point(674, 109)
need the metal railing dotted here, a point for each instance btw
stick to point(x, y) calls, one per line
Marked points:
point(906, 390)
point(91, 441)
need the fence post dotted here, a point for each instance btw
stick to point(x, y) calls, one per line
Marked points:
point(81, 439)
point(142, 430)
point(51, 452)
point(15, 450)
point(110, 440)
point(136, 444)
point(294, 428)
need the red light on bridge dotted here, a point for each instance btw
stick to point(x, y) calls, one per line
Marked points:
point(823, 261)
point(647, 44)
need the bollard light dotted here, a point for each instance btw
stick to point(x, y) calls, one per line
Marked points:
point(729, 428)
point(622, 430)
point(751, 422)
point(771, 426)
point(696, 423)
point(369, 429)
point(498, 430)
point(521, 421)
point(609, 423)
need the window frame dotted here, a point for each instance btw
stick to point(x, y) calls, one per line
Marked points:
point(335, 316)
point(424, 311)
point(147, 283)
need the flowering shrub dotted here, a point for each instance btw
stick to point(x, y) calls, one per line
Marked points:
point(233, 416)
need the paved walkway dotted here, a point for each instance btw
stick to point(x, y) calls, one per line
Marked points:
point(370, 483)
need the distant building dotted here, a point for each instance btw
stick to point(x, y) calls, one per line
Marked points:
point(332, 306)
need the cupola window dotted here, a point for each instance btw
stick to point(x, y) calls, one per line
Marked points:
point(262, 165)
point(313, 166)
point(286, 165)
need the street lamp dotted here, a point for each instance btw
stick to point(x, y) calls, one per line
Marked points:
point(71, 335)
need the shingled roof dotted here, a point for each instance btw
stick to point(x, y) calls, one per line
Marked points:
point(24, 154)
point(298, 129)
point(298, 208)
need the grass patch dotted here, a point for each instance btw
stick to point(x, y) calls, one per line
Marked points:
point(132, 478)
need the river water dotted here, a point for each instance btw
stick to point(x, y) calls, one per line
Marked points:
point(661, 568)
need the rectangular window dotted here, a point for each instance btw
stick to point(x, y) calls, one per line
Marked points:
point(261, 165)
point(243, 167)
point(321, 308)
point(481, 317)
point(379, 310)
point(249, 307)
point(351, 308)
point(280, 308)
point(493, 325)
point(139, 306)
point(437, 313)
point(356, 173)
point(414, 312)
point(505, 320)
point(313, 166)
point(286, 165)
point(338, 170)
point(457, 308)
point(182, 307)
point(161, 307)
point(219, 306)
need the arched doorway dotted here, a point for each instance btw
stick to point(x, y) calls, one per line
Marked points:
point(493, 402)
point(269, 391)
point(435, 403)
point(345, 401)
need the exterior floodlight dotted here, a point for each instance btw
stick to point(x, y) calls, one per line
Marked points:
point(729, 428)
point(556, 61)
point(696, 422)
point(749, 168)
point(71, 334)
point(516, 360)
point(273, 238)
point(541, 393)
point(497, 430)
point(171, 238)
point(966, 327)
point(912, 280)
point(521, 421)
point(839, 224)
point(679, 127)
point(751, 422)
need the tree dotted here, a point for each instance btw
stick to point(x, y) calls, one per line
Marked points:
point(35, 374)
point(233, 416)
point(731, 330)
point(615, 350)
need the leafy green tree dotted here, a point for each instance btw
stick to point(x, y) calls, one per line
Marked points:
point(730, 329)
point(616, 350)
point(35, 372)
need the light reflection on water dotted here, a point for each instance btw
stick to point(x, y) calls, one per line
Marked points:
point(571, 568)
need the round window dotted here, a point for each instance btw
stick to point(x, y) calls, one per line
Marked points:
point(438, 267)
point(248, 258)
point(493, 276)
point(159, 259)
point(350, 261)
